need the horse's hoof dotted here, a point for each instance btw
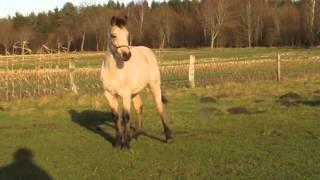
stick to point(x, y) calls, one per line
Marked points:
point(136, 134)
point(117, 145)
point(169, 140)
point(125, 146)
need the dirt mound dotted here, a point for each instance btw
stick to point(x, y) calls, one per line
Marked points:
point(310, 102)
point(208, 99)
point(238, 110)
point(209, 110)
point(244, 110)
point(259, 100)
point(316, 91)
point(290, 99)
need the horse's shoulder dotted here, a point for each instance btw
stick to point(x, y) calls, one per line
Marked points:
point(143, 50)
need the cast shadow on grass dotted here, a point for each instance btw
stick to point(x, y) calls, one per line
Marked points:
point(91, 120)
point(310, 102)
point(23, 167)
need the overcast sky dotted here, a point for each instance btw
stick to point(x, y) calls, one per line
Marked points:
point(25, 7)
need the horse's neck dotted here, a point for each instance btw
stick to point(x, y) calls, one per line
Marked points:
point(109, 60)
point(111, 63)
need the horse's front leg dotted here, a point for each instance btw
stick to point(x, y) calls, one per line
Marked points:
point(139, 108)
point(126, 118)
point(113, 102)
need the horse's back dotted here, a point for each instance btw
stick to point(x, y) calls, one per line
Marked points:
point(142, 53)
point(146, 58)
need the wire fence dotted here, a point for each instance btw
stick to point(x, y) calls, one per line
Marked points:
point(41, 75)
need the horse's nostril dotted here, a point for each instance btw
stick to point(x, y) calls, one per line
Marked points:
point(126, 56)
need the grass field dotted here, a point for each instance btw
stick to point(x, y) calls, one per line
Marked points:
point(227, 131)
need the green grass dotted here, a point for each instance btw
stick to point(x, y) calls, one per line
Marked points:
point(69, 136)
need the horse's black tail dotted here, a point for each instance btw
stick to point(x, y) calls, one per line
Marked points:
point(163, 97)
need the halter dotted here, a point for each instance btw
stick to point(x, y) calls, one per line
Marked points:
point(117, 47)
point(127, 57)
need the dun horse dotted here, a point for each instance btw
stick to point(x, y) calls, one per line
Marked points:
point(125, 72)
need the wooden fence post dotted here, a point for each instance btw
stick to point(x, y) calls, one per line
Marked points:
point(7, 79)
point(191, 71)
point(72, 68)
point(279, 67)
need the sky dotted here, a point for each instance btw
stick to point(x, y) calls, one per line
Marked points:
point(25, 7)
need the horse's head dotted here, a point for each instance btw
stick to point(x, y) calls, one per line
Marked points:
point(119, 37)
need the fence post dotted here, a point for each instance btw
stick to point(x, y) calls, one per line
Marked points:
point(279, 67)
point(191, 71)
point(72, 68)
point(7, 79)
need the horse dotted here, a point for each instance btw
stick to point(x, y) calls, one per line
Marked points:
point(125, 72)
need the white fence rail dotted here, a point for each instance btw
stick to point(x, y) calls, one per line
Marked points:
point(37, 75)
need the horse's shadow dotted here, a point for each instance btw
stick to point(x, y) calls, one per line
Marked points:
point(310, 102)
point(92, 120)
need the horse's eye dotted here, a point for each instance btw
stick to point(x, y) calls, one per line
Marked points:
point(113, 36)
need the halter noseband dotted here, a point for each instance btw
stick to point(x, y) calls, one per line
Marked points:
point(126, 57)
point(117, 47)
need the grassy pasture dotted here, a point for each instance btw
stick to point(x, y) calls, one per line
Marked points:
point(227, 131)
point(233, 126)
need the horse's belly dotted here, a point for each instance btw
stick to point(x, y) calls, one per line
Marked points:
point(123, 85)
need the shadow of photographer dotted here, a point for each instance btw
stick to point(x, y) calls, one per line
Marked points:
point(23, 168)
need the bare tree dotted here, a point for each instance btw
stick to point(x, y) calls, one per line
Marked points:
point(24, 34)
point(163, 23)
point(213, 14)
point(310, 12)
point(247, 21)
point(137, 14)
point(7, 35)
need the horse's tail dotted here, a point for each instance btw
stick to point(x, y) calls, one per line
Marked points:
point(164, 99)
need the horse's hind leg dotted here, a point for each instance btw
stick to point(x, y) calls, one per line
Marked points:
point(113, 102)
point(137, 103)
point(156, 91)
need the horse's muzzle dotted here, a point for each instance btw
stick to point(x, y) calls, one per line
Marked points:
point(126, 56)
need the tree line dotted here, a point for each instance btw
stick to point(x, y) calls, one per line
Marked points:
point(171, 24)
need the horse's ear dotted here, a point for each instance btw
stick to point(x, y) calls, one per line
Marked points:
point(113, 20)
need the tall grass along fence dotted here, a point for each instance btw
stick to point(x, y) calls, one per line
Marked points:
point(39, 75)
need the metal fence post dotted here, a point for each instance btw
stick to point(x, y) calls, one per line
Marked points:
point(191, 71)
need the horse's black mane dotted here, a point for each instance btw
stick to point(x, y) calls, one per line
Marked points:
point(119, 21)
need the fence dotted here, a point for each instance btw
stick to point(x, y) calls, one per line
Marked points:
point(40, 75)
